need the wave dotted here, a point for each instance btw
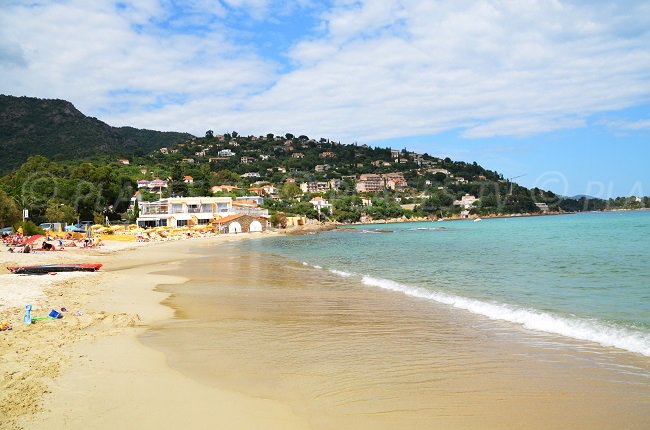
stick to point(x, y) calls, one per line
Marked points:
point(583, 329)
point(341, 273)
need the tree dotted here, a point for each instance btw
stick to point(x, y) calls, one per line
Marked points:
point(290, 191)
point(225, 177)
point(279, 220)
point(98, 218)
point(9, 212)
point(209, 134)
point(439, 177)
point(60, 212)
point(133, 214)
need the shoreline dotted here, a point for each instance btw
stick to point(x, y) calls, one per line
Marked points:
point(96, 370)
point(91, 370)
point(345, 356)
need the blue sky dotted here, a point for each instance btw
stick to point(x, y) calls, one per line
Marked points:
point(556, 91)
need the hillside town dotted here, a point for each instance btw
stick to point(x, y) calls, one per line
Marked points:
point(280, 180)
point(324, 180)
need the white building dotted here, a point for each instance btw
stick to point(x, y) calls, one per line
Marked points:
point(315, 187)
point(321, 205)
point(467, 201)
point(251, 175)
point(183, 211)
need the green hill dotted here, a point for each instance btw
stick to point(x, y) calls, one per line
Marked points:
point(56, 129)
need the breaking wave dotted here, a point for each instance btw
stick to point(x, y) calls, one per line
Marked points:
point(583, 329)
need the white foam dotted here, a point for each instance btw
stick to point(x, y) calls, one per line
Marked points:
point(590, 330)
point(317, 266)
point(341, 273)
point(304, 263)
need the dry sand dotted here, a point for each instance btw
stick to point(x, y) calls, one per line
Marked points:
point(88, 370)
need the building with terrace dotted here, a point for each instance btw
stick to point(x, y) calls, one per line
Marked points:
point(183, 211)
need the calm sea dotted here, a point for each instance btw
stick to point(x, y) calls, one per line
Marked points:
point(584, 276)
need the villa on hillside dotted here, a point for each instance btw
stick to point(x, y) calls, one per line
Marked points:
point(314, 187)
point(369, 183)
point(224, 188)
point(247, 160)
point(467, 201)
point(543, 207)
point(155, 186)
point(320, 204)
point(397, 184)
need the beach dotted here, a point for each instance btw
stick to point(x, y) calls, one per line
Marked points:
point(88, 369)
point(209, 333)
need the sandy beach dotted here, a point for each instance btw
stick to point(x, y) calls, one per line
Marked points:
point(88, 369)
point(199, 334)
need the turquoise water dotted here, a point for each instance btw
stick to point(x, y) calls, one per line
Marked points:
point(583, 276)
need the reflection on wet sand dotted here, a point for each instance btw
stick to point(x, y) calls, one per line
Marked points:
point(347, 356)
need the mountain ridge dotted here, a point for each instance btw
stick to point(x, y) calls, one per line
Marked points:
point(56, 129)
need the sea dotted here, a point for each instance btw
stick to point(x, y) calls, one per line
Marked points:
point(507, 323)
point(584, 276)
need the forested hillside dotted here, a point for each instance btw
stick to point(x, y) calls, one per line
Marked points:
point(57, 130)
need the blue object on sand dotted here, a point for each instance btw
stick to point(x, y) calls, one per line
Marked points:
point(54, 314)
point(28, 314)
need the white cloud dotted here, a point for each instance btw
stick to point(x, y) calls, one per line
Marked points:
point(626, 125)
point(95, 57)
point(378, 70)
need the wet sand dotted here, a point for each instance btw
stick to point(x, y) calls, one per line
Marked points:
point(345, 356)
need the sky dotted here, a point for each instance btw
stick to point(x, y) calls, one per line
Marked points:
point(553, 92)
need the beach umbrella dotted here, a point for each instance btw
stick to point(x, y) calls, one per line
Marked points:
point(33, 238)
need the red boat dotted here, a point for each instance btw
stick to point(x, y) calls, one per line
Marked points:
point(50, 268)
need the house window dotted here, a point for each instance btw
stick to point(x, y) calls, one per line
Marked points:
point(181, 223)
point(203, 221)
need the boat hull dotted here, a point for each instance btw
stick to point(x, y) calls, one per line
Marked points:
point(52, 268)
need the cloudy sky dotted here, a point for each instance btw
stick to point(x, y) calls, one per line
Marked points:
point(557, 91)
